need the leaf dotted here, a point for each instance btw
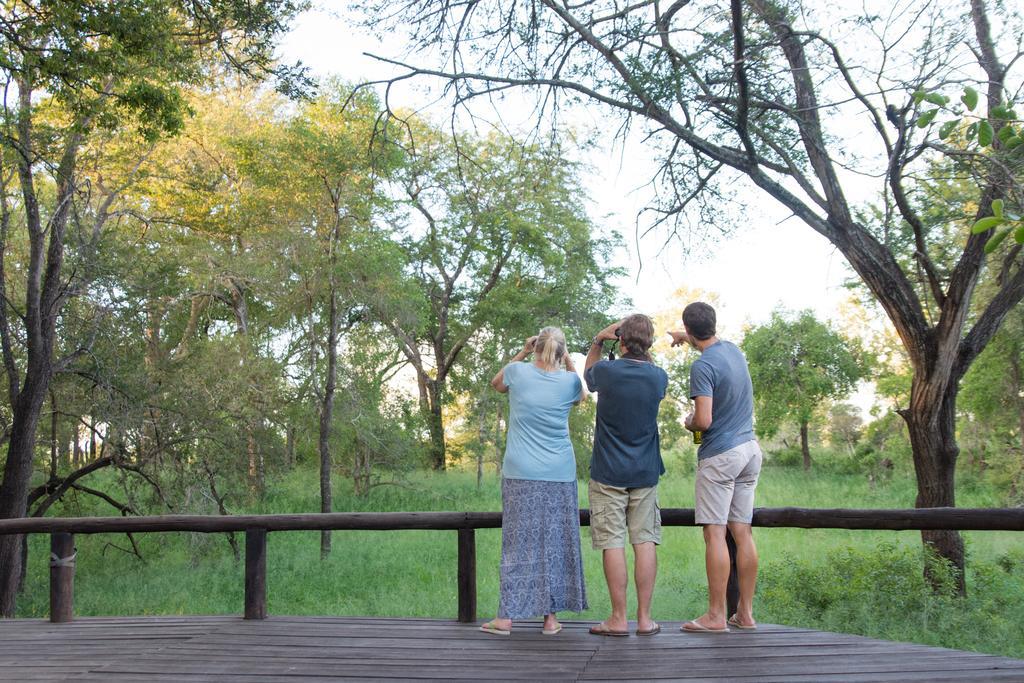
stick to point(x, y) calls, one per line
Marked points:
point(924, 119)
point(1018, 235)
point(947, 128)
point(984, 224)
point(918, 96)
point(970, 98)
point(996, 239)
point(1014, 142)
point(997, 207)
point(972, 131)
point(1005, 133)
point(1001, 111)
point(985, 133)
point(937, 99)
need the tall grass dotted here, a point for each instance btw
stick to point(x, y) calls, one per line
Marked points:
point(865, 582)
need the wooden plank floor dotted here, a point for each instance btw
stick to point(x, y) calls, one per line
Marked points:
point(293, 649)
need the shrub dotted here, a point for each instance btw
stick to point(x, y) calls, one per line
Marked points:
point(882, 593)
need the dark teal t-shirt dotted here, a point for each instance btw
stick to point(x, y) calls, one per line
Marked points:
point(627, 448)
point(721, 372)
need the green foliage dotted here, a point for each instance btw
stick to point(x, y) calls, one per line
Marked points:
point(992, 396)
point(796, 364)
point(109, 64)
point(998, 136)
point(881, 592)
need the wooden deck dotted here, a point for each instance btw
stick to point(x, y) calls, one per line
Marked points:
point(292, 649)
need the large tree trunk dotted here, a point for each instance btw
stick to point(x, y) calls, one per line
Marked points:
point(17, 473)
point(326, 415)
point(933, 439)
point(805, 446)
point(435, 421)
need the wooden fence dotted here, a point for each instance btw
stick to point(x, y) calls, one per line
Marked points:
point(256, 527)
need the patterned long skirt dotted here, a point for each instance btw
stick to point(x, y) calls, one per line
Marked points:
point(541, 564)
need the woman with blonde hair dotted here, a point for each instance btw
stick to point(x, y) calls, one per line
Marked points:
point(541, 563)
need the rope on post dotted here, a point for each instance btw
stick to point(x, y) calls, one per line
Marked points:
point(68, 561)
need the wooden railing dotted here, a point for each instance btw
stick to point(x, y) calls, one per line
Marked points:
point(256, 527)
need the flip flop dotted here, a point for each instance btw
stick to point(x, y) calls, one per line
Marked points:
point(649, 632)
point(602, 630)
point(489, 627)
point(733, 621)
point(695, 627)
point(551, 631)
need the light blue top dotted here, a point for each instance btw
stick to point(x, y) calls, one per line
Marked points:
point(538, 445)
point(721, 372)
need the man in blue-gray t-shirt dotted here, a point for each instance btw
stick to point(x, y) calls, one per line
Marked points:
point(728, 465)
point(625, 467)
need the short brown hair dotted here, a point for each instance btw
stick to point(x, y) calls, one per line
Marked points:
point(699, 319)
point(637, 334)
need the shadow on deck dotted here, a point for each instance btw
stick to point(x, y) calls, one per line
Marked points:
point(293, 649)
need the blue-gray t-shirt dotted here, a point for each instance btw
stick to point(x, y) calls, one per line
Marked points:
point(721, 372)
point(627, 448)
point(538, 445)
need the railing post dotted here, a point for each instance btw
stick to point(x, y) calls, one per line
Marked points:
point(256, 574)
point(732, 589)
point(62, 577)
point(467, 575)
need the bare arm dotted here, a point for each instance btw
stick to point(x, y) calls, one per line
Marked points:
point(499, 380)
point(597, 347)
point(571, 367)
point(700, 419)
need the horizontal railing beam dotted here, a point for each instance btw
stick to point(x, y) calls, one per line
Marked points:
point(965, 519)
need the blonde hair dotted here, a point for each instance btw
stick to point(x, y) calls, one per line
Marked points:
point(550, 346)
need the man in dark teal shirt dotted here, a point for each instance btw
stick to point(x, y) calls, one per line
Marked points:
point(625, 467)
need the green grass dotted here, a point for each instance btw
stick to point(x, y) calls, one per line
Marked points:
point(854, 581)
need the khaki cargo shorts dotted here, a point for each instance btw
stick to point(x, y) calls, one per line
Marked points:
point(726, 483)
point(613, 510)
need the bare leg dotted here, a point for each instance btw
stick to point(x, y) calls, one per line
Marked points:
point(746, 567)
point(644, 573)
point(550, 621)
point(716, 561)
point(617, 577)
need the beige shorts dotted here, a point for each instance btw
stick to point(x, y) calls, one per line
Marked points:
point(613, 510)
point(726, 483)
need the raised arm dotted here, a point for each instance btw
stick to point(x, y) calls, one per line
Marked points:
point(597, 345)
point(499, 380)
point(571, 367)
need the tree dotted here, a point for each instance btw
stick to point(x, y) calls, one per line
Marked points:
point(705, 84)
point(797, 364)
point(495, 244)
point(845, 425)
point(324, 166)
point(71, 68)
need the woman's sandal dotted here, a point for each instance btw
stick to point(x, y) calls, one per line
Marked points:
point(489, 627)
